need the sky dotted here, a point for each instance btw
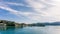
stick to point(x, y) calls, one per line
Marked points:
point(30, 11)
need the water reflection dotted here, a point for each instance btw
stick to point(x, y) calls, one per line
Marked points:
point(30, 30)
point(9, 28)
point(3, 28)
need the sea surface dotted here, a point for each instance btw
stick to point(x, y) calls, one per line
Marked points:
point(31, 30)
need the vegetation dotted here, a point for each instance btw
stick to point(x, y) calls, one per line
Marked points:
point(37, 24)
point(12, 23)
point(8, 23)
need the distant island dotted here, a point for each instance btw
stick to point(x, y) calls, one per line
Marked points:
point(6, 23)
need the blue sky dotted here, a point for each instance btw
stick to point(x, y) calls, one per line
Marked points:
point(30, 11)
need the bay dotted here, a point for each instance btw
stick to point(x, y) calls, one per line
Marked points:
point(31, 30)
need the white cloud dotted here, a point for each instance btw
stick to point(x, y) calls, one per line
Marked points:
point(47, 10)
point(16, 4)
point(44, 10)
point(15, 11)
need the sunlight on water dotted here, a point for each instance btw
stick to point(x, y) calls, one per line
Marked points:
point(53, 30)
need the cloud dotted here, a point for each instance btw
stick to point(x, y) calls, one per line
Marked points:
point(4, 6)
point(16, 4)
point(44, 10)
point(14, 11)
point(9, 9)
point(47, 10)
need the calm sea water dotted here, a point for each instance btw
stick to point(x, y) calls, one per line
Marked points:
point(31, 30)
